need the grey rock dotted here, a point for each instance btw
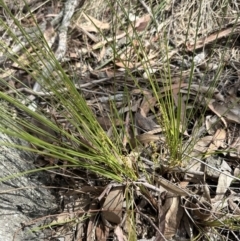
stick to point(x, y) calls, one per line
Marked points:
point(23, 199)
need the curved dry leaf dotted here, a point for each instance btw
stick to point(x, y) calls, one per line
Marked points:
point(211, 123)
point(112, 206)
point(145, 123)
point(219, 139)
point(92, 222)
point(204, 89)
point(212, 108)
point(61, 219)
point(119, 234)
point(148, 103)
point(202, 145)
point(172, 218)
point(90, 230)
point(142, 22)
point(222, 110)
point(224, 182)
point(144, 139)
point(124, 64)
point(93, 24)
point(102, 231)
point(202, 210)
point(105, 122)
point(206, 40)
point(170, 186)
point(49, 34)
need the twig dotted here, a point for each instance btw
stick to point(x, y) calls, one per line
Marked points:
point(214, 168)
point(147, 8)
point(42, 93)
point(116, 97)
point(69, 9)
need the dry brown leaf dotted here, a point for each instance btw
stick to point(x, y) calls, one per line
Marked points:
point(127, 132)
point(143, 122)
point(177, 86)
point(93, 25)
point(214, 162)
point(235, 144)
point(211, 123)
point(91, 189)
point(163, 212)
point(204, 89)
point(202, 145)
point(105, 122)
point(68, 236)
point(108, 40)
point(206, 192)
point(224, 181)
point(23, 60)
point(125, 64)
point(148, 103)
point(222, 110)
point(142, 22)
point(112, 206)
point(173, 217)
point(102, 232)
point(90, 230)
point(223, 184)
point(102, 54)
point(218, 34)
point(170, 186)
point(119, 234)
point(182, 126)
point(49, 34)
point(92, 222)
point(219, 139)
point(143, 139)
point(213, 109)
point(80, 231)
point(192, 164)
point(61, 218)
point(201, 210)
point(139, 92)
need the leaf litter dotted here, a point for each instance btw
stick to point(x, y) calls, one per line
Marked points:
point(189, 200)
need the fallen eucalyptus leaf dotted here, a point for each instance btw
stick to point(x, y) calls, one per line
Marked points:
point(112, 206)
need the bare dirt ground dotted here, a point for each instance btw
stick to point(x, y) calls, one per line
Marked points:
point(192, 199)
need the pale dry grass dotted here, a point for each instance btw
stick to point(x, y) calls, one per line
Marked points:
point(182, 20)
